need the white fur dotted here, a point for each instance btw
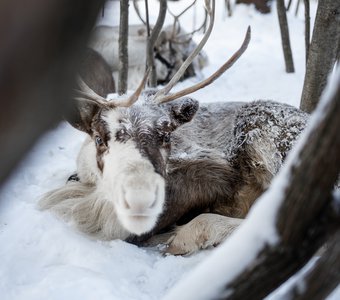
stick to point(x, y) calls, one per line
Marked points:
point(87, 169)
point(130, 183)
point(126, 198)
point(83, 206)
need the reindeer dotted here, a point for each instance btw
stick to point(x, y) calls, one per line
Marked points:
point(171, 50)
point(167, 170)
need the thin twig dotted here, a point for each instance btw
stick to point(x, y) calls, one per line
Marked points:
point(307, 28)
point(152, 40)
point(135, 5)
point(188, 61)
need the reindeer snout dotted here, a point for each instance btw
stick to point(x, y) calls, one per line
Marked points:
point(138, 195)
point(142, 195)
point(139, 201)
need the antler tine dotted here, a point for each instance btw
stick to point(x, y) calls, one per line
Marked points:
point(134, 97)
point(213, 77)
point(188, 61)
point(87, 94)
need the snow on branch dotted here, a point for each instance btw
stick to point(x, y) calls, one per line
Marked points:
point(287, 224)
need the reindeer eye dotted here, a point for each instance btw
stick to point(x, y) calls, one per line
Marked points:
point(98, 141)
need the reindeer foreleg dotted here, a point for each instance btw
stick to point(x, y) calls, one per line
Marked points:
point(203, 232)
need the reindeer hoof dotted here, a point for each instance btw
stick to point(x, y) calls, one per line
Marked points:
point(203, 232)
point(177, 246)
point(73, 177)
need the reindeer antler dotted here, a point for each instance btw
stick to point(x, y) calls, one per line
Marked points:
point(166, 98)
point(211, 12)
point(162, 97)
point(134, 97)
point(87, 94)
point(176, 17)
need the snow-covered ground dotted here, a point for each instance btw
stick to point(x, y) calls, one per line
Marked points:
point(43, 258)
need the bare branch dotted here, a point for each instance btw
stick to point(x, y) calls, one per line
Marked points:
point(152, 40)
point(307, 28)
point(188, 61)
point(136, 7)
point(123, 65)
point(213, 77)
point(288, 5)
point(287, 50)
point(183, 12)
point(147, 18)
point(297, 7)
point(176, 17)
point(177, 38)
point(203, 23)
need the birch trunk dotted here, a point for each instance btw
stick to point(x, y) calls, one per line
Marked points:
point(322, 53)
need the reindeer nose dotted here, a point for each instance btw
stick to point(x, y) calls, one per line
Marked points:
point(138, 201)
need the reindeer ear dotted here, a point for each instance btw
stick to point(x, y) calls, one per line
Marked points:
point(82, 115)
point(182, 111)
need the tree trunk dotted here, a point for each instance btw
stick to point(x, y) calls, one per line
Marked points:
point(307, 28)
point(322, 52)
point(39, 53)
point(123, 65)
point(152, 40)
point(303, 218)
point(287, 51)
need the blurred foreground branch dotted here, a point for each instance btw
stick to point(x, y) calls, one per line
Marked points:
point(40, 45)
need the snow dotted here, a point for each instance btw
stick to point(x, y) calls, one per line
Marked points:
point(44, 258)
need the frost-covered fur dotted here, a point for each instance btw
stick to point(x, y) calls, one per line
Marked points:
point(210, 172)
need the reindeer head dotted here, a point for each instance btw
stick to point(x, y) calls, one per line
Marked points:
point(172, 48)
point(130, 146)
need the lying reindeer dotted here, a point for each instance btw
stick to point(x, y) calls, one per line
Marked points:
point(177, 172)
point(171, 50)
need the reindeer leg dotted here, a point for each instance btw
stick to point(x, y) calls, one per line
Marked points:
point(204, 231)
